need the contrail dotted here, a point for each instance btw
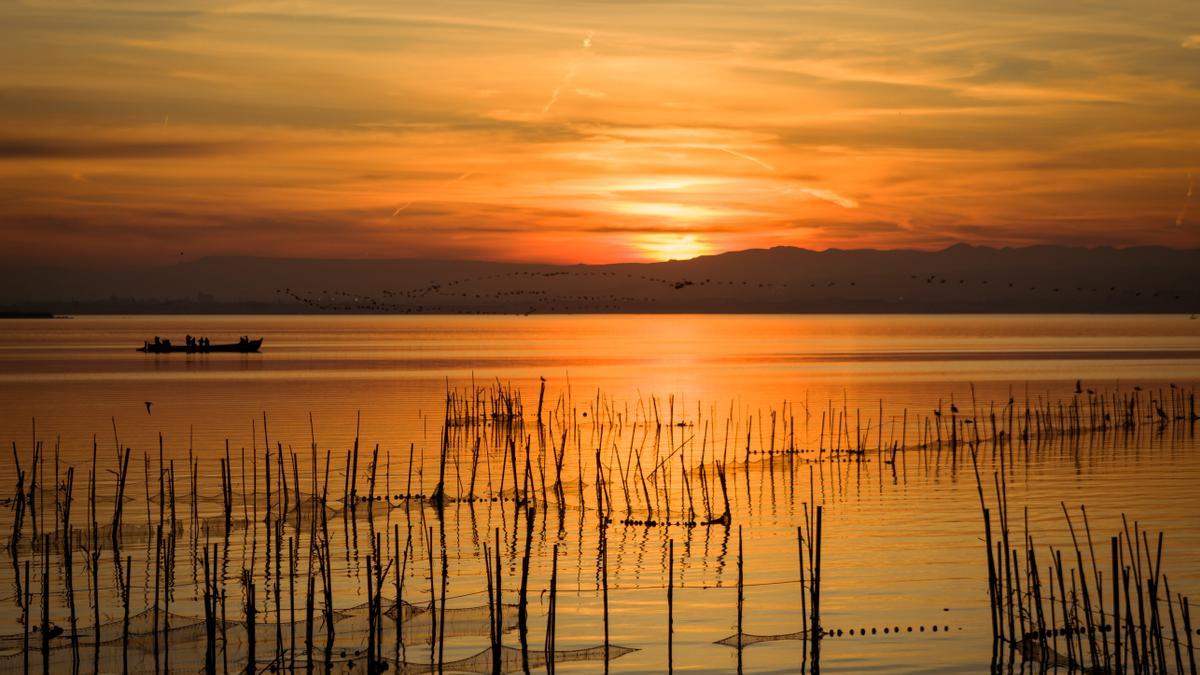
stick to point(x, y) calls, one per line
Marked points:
point(820, 193)
point(568, 79)
point(456, 179)
point(744, 156)
point(558, 90)
point(830, 196)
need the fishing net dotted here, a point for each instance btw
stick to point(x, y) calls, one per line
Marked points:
point(513, 661)
point(751, 639)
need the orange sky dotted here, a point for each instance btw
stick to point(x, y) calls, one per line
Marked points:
point(591, 132)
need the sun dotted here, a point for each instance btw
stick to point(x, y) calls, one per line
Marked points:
point(671, 246)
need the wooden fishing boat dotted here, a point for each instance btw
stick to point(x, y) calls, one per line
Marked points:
point(241, 347)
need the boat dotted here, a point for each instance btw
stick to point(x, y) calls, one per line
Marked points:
point(166, 347)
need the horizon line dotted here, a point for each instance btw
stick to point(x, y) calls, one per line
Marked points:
point(494, 261)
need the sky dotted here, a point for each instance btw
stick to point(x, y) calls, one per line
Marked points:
point(139, 132)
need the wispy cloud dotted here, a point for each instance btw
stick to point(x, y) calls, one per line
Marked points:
point(79, 147)
point(585, 127)
point(589, 93)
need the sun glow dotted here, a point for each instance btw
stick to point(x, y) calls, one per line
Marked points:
point(671, 246)
point(507, 131)
point(671, 210)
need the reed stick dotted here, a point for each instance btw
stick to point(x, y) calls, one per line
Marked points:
point(552, 616)
point(670, 605)
point(816, 594)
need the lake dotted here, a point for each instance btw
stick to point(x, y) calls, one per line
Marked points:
point(847, 412)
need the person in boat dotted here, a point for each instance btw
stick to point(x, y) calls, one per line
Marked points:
point(157, 341)
point(188, 340)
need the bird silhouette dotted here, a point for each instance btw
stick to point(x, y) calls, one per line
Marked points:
point(148, 404)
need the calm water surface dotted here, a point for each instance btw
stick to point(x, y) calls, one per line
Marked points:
point(902, 543)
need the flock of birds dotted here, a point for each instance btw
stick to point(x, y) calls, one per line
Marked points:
point(483, 298)
point(527, 292)
point(933, 278)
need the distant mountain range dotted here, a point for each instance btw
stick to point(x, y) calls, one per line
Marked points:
point(787, 280)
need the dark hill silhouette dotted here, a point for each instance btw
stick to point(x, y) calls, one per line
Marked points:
point(958, 279)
